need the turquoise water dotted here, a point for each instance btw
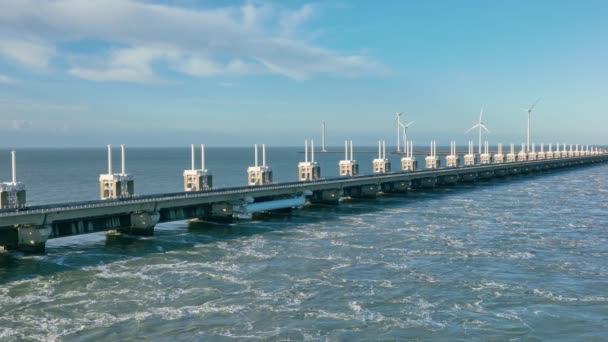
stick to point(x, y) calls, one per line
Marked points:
point(522, 259)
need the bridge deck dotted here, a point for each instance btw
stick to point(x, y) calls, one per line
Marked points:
point(54, 214)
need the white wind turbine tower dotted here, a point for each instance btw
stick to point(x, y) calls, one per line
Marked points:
point(398, 121)
point(405, 127)
point(481, 126)
point(529, 110)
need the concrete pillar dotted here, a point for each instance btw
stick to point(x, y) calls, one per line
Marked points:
point(381, 165)
point(422, 183)
point(32, 239)
point(142, 223)
point(12, 195)
point(468, 176)
point(361, 191)
point(395, 187)
point(259, 175)
point(452, 161)
point(348, 167)
point(116, 186)
point(432, 162)
point(329, 196)
point(448, 179)
point(221, 212)
point(470, 159)
point(487, 174)
point(308, 171)
point(197, 180)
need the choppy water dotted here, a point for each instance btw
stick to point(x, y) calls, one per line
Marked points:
point(522, 259)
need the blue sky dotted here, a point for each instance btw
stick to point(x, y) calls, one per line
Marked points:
point(234, 73)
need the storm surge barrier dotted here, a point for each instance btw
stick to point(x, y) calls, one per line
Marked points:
point(28, 228)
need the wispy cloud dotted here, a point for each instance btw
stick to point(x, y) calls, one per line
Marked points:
point(33, 54)
point(291, 21)
point(251, 39)
point(129, 65)
point(5, 79)
point(19, 125)
point(28, 115)
point(229, 84)
point(26, 104)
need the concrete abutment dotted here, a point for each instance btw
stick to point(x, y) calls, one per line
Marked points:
point(328, 196)
point(32, 239)
point(368, 191)
point(424, 183)
point(399, 187)
point(141, 224)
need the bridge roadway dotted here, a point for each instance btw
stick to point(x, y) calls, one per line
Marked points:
point(27, 229)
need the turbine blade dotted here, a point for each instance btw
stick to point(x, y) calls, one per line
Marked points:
point(472, 128)
point(409, 124)
point(480, 114)
point(535, 103)
point(484, 127)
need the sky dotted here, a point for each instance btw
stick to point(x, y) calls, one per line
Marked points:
point(80, 73)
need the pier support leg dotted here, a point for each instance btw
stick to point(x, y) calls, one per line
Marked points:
point(485, 175)
point(515, 171)
point(331, 196)
point(395, 187)
point(424, 183)
point(221, 212)
point(502, 172)
point(362, 191)
point(8, 239)
point(468, 177)
point(32, 239)
point(142, 224)
point(448, 180)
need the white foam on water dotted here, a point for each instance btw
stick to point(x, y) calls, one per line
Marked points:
point(395, 266)
point(386, 284)
point(349, 245)
point(250, 248)
point(40, 326)
point(355, 307)
point(317, 314)
point(260, 335)
point(230, 279)
point(553, 297)
point(486, 285)
point(32, 291)
point(112, 271)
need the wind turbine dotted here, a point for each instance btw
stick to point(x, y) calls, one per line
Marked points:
point(398, 121)
point(405, 127)
point(481, 126)
point(529, 110)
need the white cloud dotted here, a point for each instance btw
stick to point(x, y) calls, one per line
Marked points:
point(199, 66)
point(291, 21)
point(21, 105)
point(251, 39)
point(32, 115)
point(19, 125)
point(5, 79)
point(128, 65)
point(229, 84)
point(28, 53)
